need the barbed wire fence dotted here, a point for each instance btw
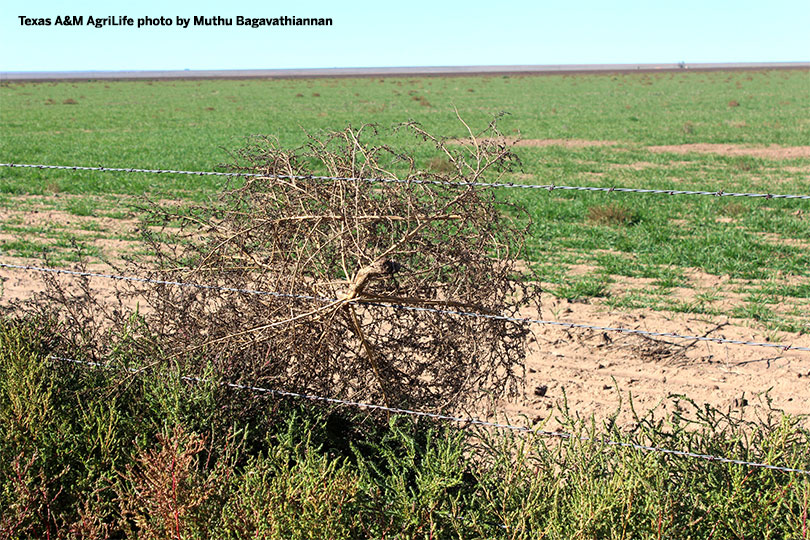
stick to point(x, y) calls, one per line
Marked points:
point(519, 320)
point(447, 183)
point(464, 421)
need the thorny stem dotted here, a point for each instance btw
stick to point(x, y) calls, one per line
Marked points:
point(333, 240)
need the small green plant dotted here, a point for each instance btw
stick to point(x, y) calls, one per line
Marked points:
point(84, 206)
point(757, 311)
point(589, 287)
point(708, 297)
point(669, 278)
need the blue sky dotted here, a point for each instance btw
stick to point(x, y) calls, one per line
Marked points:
point(413, 33)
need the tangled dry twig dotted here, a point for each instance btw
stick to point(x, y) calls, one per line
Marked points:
point(365, 246)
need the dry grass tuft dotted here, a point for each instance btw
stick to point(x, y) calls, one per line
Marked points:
point(734, 209)
point(612, 214)
point(440, 165)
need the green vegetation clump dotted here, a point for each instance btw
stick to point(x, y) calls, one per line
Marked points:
point(105, 452)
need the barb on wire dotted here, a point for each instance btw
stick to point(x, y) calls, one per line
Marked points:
point(504, 185)
point(520, 320)
point(465, 422)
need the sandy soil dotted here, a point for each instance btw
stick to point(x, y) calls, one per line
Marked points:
point(768, 152)
point(772, 151)
point(597, 371)
point(537, 143)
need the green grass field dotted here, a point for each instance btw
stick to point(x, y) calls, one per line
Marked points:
point(195, 124)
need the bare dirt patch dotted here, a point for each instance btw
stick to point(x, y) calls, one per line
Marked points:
point(641, 165)
point(768, 152)
point(48, 226)
point(796, 169)
point(46, 217)
point(597, 372)
point(538, 143)
point(637, 166)
point(778, 240)
point(20, 284)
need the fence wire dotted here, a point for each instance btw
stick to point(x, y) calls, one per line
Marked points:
point(519, 320)
point(435, 416)
point(504, 185)
point(465, 422)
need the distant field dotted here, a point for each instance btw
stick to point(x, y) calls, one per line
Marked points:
point(583, 129)
point(187, 124)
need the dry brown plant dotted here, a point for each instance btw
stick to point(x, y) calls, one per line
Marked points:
point(165, 491)
point(365, 262)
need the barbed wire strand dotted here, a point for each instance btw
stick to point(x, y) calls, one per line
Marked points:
point(505, 185)
point(464, 421)
point(519, 320)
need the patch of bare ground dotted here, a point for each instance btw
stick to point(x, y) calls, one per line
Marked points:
point(42, 217)
point(721, 295)
point(91, 230)
point(596, 372)
point(577, 270)
point(641, 165)
point(18, 284)
point(537, 143)
point(799, 170)
point(703, 280)
point(768, 152)
point(777, 240)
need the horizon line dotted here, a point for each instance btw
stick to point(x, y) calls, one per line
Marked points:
point(402, 71)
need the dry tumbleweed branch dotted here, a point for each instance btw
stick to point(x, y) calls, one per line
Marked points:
point(365, 247)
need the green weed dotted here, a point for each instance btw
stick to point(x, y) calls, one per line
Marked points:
point(105, 453)
point(580, 289)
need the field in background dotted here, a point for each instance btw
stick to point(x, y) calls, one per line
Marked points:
point(624, 130)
